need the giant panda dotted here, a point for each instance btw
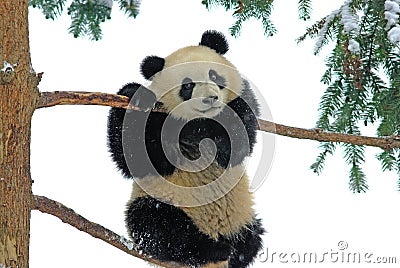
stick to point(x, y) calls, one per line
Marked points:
point(190, 203)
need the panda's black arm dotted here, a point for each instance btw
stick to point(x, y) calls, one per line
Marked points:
point(248, 109)
point(134, 136)
point(233, 146)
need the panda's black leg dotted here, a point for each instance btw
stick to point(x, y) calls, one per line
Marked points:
point(247, 245)
point(168, 234)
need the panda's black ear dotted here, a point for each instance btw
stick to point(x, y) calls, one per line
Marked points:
point(151, 65)
point(215, 40)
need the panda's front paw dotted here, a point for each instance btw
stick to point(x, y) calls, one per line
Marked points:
point(144, 99)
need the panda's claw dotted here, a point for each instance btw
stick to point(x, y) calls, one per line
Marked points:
point(144, 99)
point(135, 102)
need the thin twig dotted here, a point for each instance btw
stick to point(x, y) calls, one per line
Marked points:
point(48, 99)
point(70, 217)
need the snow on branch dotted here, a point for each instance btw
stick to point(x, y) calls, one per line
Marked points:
point(350, 21)
point(392, 11)
point(67, 215)
point(48, 99)
point(323, 33)
point(349, 18)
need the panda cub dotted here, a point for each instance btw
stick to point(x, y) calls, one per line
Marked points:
point(190, 203)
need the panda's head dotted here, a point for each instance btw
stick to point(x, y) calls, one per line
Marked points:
point(194, 81)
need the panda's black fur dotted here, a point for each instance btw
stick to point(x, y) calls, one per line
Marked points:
point(162, 230)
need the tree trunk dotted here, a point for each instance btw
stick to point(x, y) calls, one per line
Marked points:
point(18, 98)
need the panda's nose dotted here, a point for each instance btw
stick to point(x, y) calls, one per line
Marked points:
point(210, 99)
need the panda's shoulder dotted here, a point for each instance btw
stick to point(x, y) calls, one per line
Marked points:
point(129, 89)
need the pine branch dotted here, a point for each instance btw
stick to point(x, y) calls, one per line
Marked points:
point(304, 7)
point(51, 9)
point(86, 17)
point(326, 148)
point(69, 216)
point(243, 10)
point(130, 7)
point(48, 99)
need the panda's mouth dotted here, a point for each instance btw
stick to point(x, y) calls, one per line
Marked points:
point(209, 109)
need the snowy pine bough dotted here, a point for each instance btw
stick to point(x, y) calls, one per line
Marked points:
point(362, 79)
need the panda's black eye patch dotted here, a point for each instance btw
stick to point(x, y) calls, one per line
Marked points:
point(217, 79)
point(186, 89)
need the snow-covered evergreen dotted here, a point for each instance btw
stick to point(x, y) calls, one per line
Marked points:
point(350, 21)
point(392, 11)
point(321, 39)
point(349, 18)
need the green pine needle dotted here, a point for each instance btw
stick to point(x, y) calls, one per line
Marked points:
point(319, 164)
point(357, 183)
point(388, 160)
point(50, 8)
point(305, 8)
point(130, 7)
point(243, 10)
point(86, 18)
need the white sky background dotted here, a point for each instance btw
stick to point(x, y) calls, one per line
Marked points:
point(302, 212)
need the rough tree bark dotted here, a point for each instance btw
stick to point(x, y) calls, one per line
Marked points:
point(18, 98)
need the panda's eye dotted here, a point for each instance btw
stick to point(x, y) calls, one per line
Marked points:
point(217, 79)
point(213, 75)
point(187, 84)
point(186, 89)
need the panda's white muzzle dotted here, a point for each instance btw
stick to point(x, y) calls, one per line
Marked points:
point(206, 97)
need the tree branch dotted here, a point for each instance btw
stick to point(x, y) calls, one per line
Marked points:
point(48, 99)
point(70, 217)
point(317, 134)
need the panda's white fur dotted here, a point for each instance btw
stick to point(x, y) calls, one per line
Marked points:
point(194, 62)
point(227, 204)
